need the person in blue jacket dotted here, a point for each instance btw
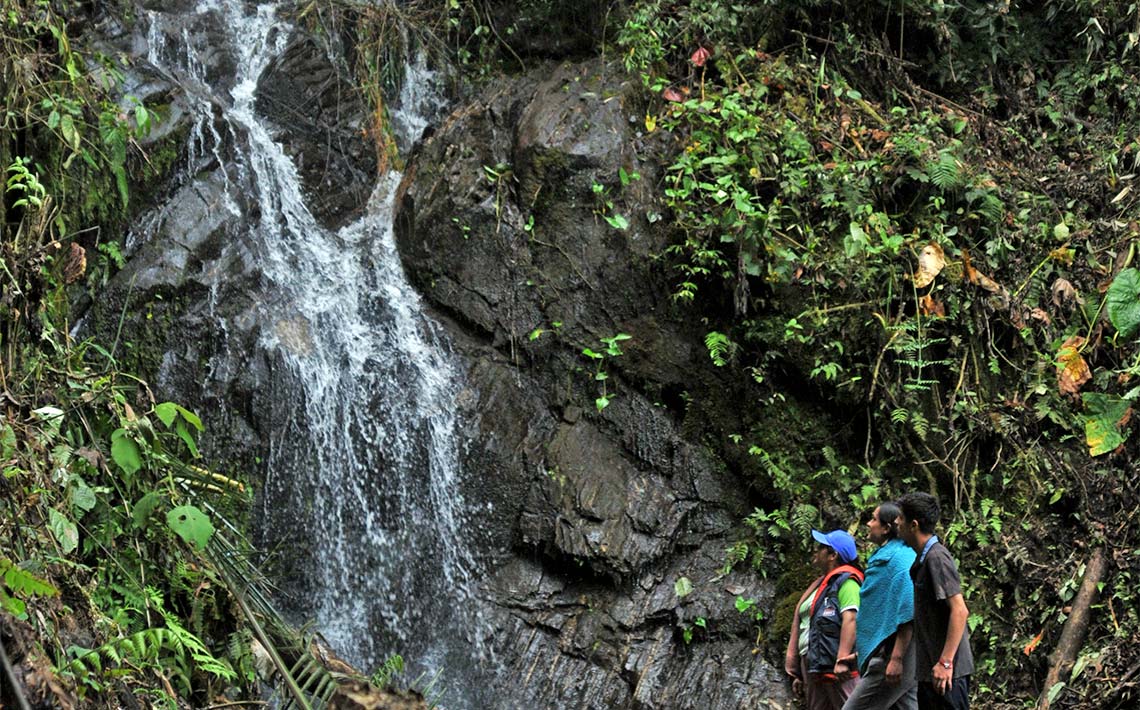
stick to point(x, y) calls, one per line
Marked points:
point(823, 627)
point(885, 623)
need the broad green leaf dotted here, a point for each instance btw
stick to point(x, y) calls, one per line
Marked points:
point(1102, 421)
point(13, 606)
point(7, 442)
point(185, 434)
point(64, 530)
point(142, 510)
point(82, 497)
point(191, 417)
point(683, 587)
point(1055, 691)
point(1123, 302)
point(191, 525)
point(70, 134)
point(166, 412)
point(125, 452)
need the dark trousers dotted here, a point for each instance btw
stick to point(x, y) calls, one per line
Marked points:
point(957, 699)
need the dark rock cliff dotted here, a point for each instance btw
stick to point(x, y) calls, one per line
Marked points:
point(597, 513)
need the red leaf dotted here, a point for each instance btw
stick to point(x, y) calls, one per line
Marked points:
point(671, 94)
point(700, 56)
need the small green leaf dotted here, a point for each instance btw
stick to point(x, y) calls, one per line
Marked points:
point(166, 412)
point(64, 530)
point(590, 353)
point(618, 222)
point(125, 452)
point(191, 525)
point(601, 403)
point(683, 587)
point(1061, 231)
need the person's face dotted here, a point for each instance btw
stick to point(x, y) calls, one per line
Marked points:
point(877, 531)
point(825, 559)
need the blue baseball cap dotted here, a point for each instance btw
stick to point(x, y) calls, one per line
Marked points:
point(838, 540)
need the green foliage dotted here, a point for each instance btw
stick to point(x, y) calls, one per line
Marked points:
point(601, 376)
point(874, 219)
point(1124, 302)
point(19, 584)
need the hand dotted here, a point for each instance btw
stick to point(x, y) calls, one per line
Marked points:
point(797, 686)
point(893, 673)
point(842, 670)
point(943, 678)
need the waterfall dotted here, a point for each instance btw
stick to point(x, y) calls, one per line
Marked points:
point(363, 487)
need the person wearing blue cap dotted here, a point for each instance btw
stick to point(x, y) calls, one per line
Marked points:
point(823, 626)
point(885, 620)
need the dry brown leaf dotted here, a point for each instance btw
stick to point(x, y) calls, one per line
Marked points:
point(1039, 314)
point(1063, 293)
point(930, 307)
point(75, 265)
point(1072, 370)
point(930, 263)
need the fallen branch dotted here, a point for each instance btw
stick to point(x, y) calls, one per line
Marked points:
point(1076, 626)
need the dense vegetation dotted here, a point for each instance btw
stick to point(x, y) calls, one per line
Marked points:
point(920, 213)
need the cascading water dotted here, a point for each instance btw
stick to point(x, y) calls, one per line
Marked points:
point(362, 476)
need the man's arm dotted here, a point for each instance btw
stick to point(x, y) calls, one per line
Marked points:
point(894, 668)
point(944, 677)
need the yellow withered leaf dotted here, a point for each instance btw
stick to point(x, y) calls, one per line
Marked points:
point(1072, 370)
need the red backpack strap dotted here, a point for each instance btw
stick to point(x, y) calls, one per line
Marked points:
point(854, 572)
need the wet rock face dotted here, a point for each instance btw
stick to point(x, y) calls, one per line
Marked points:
point(595, 513)
point(323, 122)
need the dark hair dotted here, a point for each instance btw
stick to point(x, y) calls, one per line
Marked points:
point(889, 516)
point(922, 508)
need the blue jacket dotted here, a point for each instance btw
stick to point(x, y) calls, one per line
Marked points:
point(886, 599)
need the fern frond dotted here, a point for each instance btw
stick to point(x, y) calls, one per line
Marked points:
point(720, 348)
point(900, 415)
point(946, 171)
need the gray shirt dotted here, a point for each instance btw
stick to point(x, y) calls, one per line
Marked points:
point(935, 581)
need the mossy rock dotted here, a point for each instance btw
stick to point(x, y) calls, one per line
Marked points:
point(789, 586)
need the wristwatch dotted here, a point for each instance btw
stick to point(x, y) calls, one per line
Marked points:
point(945, 664)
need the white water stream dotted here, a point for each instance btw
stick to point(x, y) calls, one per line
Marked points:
point(363, 470)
